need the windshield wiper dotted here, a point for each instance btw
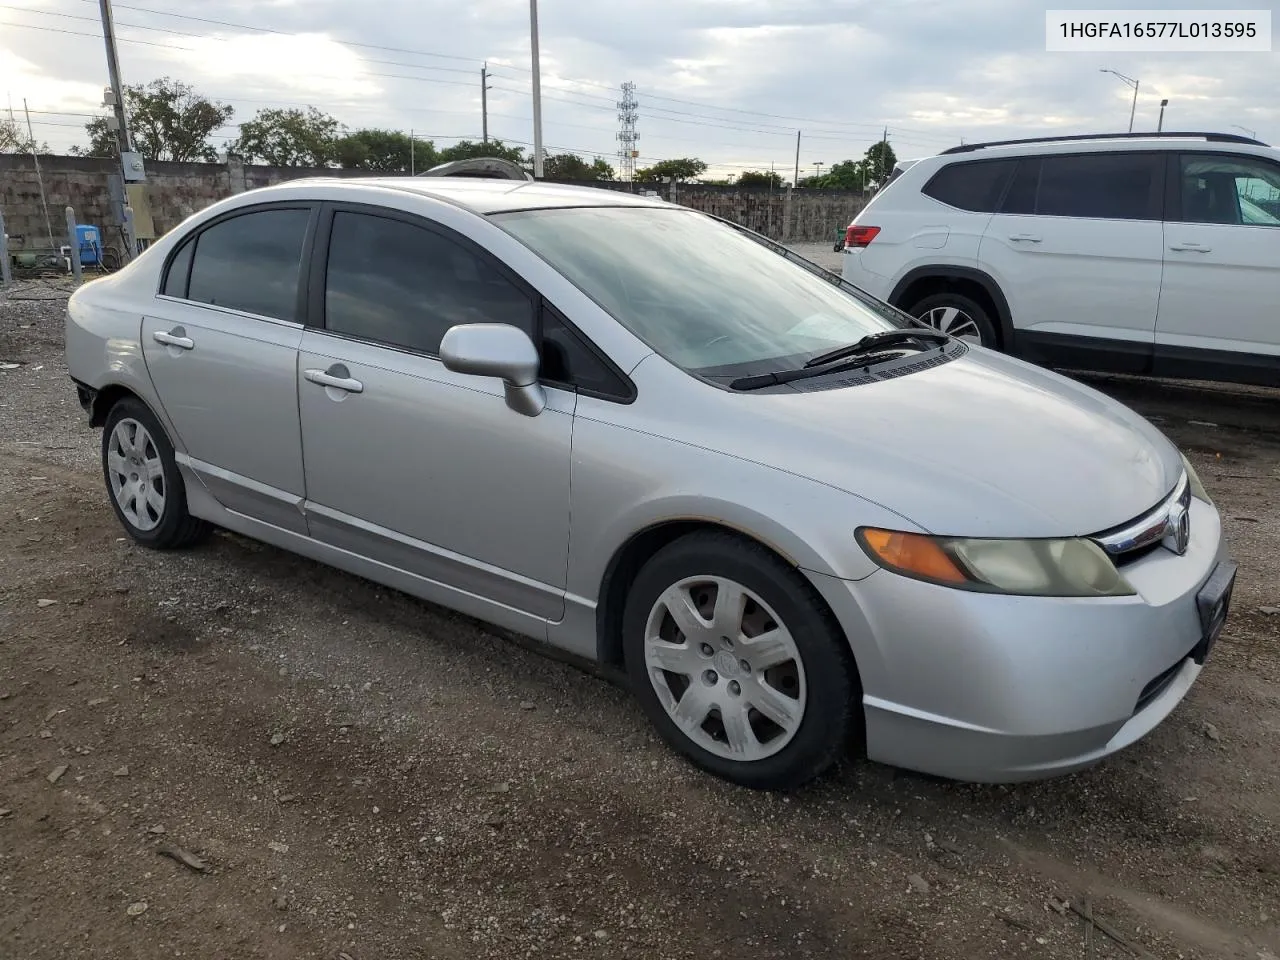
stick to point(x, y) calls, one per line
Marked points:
point(801, 373)
point(877, 342)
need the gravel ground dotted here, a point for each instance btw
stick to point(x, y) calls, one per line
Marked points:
point(351, 773)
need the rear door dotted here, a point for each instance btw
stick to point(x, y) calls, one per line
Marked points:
point(221, 345)
point(1077, 247)
point(1219, 313)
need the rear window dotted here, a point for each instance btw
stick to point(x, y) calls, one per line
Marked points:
point(1098, 186)
point(976, 185)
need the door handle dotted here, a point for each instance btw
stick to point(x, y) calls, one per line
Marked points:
point(176, 339)
point(1190, 247)
point(327, 379)
point(1024, 238)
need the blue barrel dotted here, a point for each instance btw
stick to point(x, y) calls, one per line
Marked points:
point(90, 241)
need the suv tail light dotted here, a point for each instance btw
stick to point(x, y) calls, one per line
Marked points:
point(859, 236)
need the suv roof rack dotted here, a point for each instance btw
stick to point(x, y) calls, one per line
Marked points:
point(1184, 135)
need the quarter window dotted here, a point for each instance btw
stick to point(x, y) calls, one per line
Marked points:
point(1225, 189)
point(1099, 186)
point(403, 285)
point(251, 262)
point(975, 185)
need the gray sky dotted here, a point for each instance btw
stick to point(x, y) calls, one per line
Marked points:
point(729, 81)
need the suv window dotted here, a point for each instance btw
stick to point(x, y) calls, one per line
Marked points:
point(250, 262)
point(1216, 188)
point(975, 185)
point(1101, 186)
point(403, 285)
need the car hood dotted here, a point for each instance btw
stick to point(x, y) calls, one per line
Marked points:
point(982, 446)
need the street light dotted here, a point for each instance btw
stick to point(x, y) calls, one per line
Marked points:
point(1133, 83)
point(817, 166)
point(1160, 125)
point(1253, 134)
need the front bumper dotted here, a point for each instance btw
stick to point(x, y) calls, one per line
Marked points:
point(992, 689)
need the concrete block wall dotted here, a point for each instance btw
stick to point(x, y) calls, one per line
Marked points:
point(177, 190)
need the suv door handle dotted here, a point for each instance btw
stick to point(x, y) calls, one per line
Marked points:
point(1190, 247)
point(331, 378)
point(177, 338)
point(1024, 238)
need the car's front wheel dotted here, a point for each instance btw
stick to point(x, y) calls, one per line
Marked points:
point(738, 663)
point(143, 481)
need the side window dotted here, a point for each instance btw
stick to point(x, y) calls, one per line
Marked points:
point(251, 263)
point(175, 281)
point(1219, 188)
point(568, 361)
point(975, 185)
point(404, 285)
point(1099, 186)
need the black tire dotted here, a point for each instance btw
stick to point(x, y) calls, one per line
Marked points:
point(832, 718)
point(176, 527)
point(982, 321)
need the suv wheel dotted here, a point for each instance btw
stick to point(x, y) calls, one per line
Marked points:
point(738, 664)
point(958, 315)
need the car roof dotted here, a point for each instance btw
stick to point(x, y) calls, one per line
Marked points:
point(485, 196)
point(1218, 143)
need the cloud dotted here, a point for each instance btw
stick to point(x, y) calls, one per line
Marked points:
point(729, 81)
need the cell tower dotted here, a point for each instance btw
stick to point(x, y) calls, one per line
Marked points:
point(627, 136)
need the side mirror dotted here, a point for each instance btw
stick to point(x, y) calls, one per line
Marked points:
point(497, 350)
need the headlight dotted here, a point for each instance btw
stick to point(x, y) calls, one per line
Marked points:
point(1028, 568)
point(1197, 488)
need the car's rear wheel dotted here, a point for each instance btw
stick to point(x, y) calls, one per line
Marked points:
point(143, 480)
point(738, 663)
point(962, 317)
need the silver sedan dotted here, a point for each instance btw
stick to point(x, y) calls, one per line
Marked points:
point(802, 525)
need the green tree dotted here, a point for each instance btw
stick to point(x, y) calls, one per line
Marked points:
point(289, 138)
point(389, 151)
point(880, 161)
point(168, 121)
point(13, 139)
point(686, 168)
point(470, 149)
point(760, 178)
point(570, 166)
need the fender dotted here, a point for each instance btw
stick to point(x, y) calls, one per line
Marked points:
point(951, 272)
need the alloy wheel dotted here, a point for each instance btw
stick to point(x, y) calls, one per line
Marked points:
point(725, 668)
point(954, 321)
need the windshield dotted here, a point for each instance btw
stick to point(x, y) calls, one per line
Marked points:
point(704, 296)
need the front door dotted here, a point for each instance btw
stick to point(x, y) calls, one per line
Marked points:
point(1077, 248)
point(221, 345)
point(408, 463)
point(1220, 298)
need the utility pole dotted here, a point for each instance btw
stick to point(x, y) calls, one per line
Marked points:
point(40, 177)
point(884, 156)
point(484, 102)
point(537, 89)
point(113, 70)
point(131, 167)
point(795, 181)
point(411, 156)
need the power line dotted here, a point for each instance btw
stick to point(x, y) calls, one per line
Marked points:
point(283, 33)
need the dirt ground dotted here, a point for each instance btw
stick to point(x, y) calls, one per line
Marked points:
point(356, 774)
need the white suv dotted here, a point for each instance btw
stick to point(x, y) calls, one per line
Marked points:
point(1149, 254)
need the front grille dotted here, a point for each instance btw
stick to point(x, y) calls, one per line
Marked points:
point(1158, 685)
point(1136, 539)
